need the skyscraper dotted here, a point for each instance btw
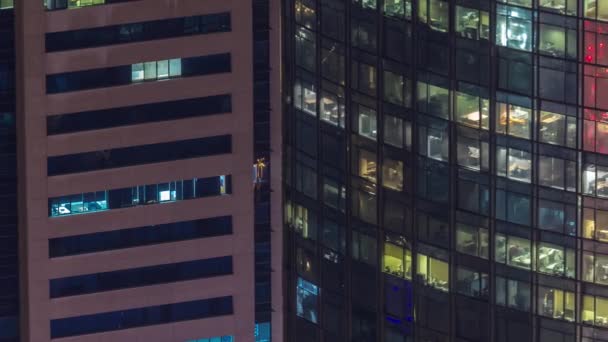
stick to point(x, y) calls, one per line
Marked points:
point(446, 170)
point(129, 130)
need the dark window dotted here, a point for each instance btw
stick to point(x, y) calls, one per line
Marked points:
point(149, 112)
point(131, 318)
point(141, 236)
point(137, 32)
point(143, 276)
point(137, 155)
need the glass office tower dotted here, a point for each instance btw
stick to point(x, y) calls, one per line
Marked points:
point(446, 170)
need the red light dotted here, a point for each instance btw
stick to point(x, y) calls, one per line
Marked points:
point(588, 58)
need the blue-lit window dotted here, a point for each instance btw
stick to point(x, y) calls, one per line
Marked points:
point(307, 301)
point(79, 203)
point(225, 338)
point(139, 195)
point(262, 332)
point(156, 70)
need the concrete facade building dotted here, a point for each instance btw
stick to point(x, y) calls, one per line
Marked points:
point(137, 126)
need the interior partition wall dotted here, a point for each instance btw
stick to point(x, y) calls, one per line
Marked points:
point(446, 170)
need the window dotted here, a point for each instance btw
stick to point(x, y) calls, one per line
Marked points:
point(433, 179)
point(472, 240)
point(132, 115)
point(140, 236)
point(595, 224)
point(557, 173)
point(398, 8)
point(513, 207)
point(433, 100)
point(392, 174)
point(128, 74)
point(332, 61)
point(514, 164)
point(138, 155)
point(472, 23)
point(397, 89)
point(559, 6)
point(156, 70)
point(595, 131)
point(305, 97)
point(142, 276)
point(472, 283)
point(137, 32)
point(594, 310)
point(367, 122)
point(307, 302)
point(557, 129)
point(367, 165)
point(557, 41)
point(364, 78)
point(472, 110)
point(397, 260)
point(435, 14)
point(6, 4)
point(332, 109)
point(555, 303)
point(513, 293)
point(139, 317)
point(472, 152)
point(394, 131)
point(433, 139)
point(59, 4)
point(556, 260)
point(514, 120)
point(305, 49)
point(513, 251)
point(514, 27)
point(595, 268)
point(364, 248)
point(79, 204)
point(595, 180)
point(305, 13)
point(225, 338)
point(595, 9)
point(433, 272)
point(557, 217)
point(303, 221)
point(139, 195)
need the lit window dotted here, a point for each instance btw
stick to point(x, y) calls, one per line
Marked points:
point(472, 23)
point(397, 260)
point(307, 304)
point(433, 272)
point(514, 164)
point(555, 303)
point(513, 251)
point(392, 174)
point(6, 4)
point(514, 27)
point(367, 122)
point(555, 260)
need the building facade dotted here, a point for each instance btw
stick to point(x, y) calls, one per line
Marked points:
point(446, 168)
point(129, 129)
